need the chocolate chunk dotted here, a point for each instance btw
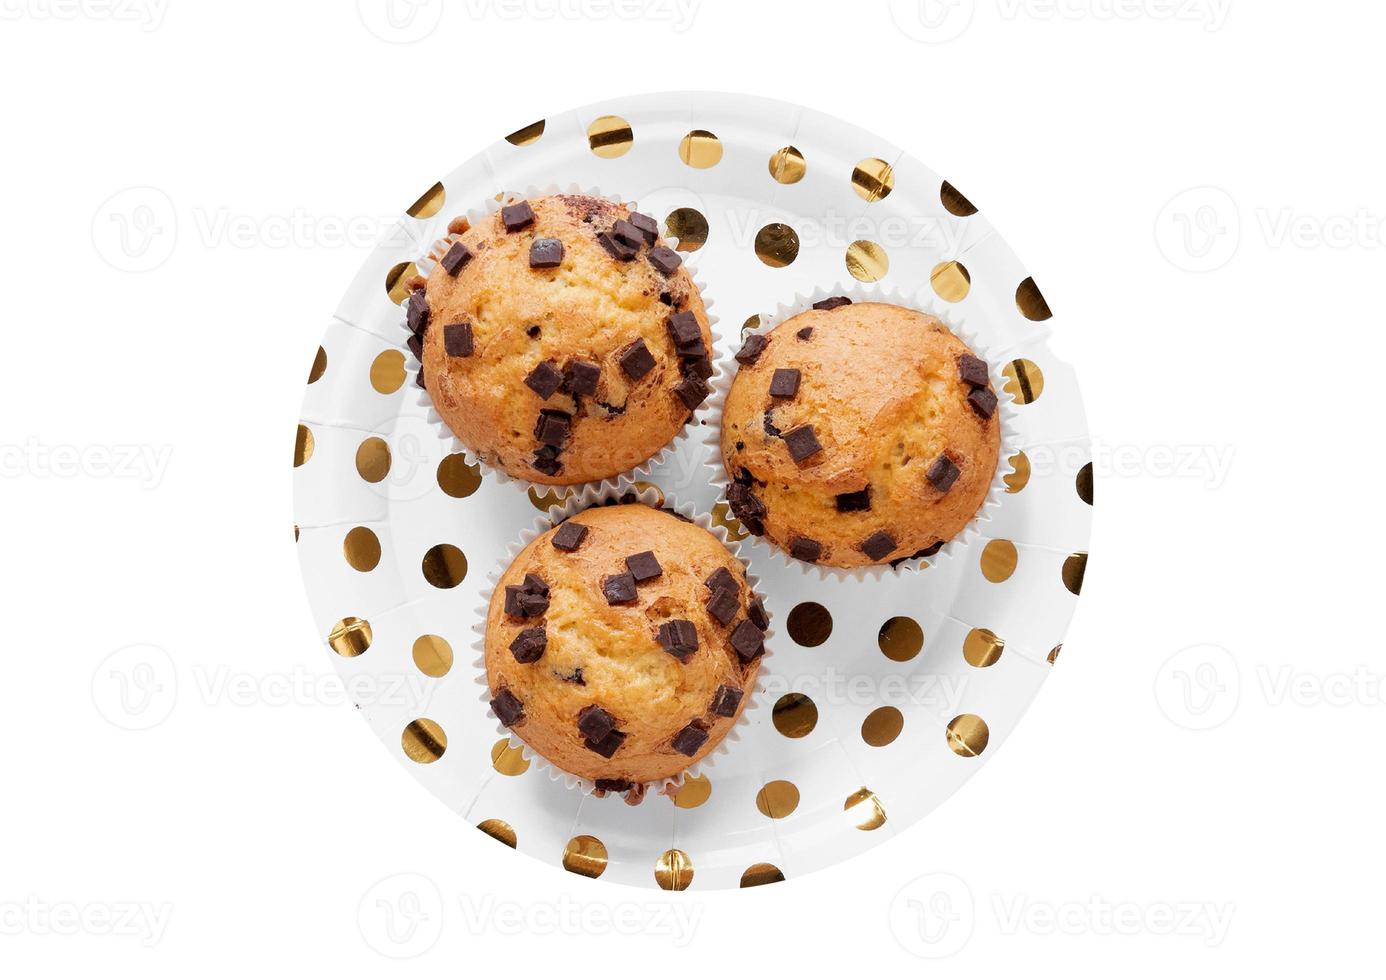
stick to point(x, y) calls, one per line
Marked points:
point(532, 331)
point(679, 637)
point(528, 645)
point(625, 231)
point(768, 424)
point(415, 345)
point(748, 640)
point(725, 701)
point(723, 605)
point(545, 253)
point(692, 391)
point(533, 583)
point(832, 303)
point(723, 579)
point(751, 349)
point(698, 367)
point(942, 473)
point(687, 335)
point(569, 536)
point(595, 723)
point(507, 708)
point(747, 507)
point(516, 216)
point(617, 249)
point(419, 378)
point(805, 549)
point(802, 443)
point(665, 260)
point(544, 379)
point(647, 226)
point(619, 588)
point(983, 401)
point(574, 678)
point(804, 333)
point(580, 377)
point(553, 427)
point(548, 465)
point(525, 603)
point(636, 360)
point(848, 503)
point(457, 340)
point(877, 546)
point(756, 610)
point(784, 383)
point(644, 566)
point(614, 785)
point(689, 740)
point(607, 746)
point(416, 312)
point(534, 604)
point(456, 257)
point(973, 370)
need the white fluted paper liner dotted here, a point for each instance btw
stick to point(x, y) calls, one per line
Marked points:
point(590, 496)
point(923, 301)
point(435, 253)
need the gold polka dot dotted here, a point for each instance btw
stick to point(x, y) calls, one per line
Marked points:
point(1054, 654)
point(954, 201)
point(499, 830)
point(693, 793)
point(809, 624)
point(867, 261)
point(432, 655)
point(397, 281)
point(674, 870)
point(700, 149)
point(723, 517)
point(900, 639)
point(387, 371)
point(778, 799)
point(362, 549)
point(1084, 484)
point(1020, 473)
point(507, 759)
point(1075, 565)
point(543, 501)
point(1024, 380)
point(689, 226)
point(585, 855)
point(794, 715)
point(787, 165)
point(865, 810)
point(951, 281)
point(642, 485)
point(319, 366)
point(873, 179)
point(968, 735)
point(457, 477)
point(761, 874)
point(609, 137)
point(350, 637)
point(429, 203)
point(424, 740)
point(982, 647)
point(373, 459)
point(1031, 301)
point(999, 559)
point(303, 445)
point(882, 726)
point(444, 566)
point(777, 245)
point(526, 135)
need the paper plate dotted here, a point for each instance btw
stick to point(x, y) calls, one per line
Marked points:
point(886, 693)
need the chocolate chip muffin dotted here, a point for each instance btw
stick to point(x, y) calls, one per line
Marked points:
point(561, 339)
point(622, 645)
point(859, 434)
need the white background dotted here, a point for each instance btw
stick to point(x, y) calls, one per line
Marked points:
point(1196, 185)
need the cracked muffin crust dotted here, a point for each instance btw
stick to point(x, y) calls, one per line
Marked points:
point(859, 434)
point(561, 339)
point(622, 645)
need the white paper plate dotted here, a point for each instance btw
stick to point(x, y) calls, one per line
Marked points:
point(1017, 578)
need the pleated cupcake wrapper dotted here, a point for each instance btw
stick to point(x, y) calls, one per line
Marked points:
point(591, 496)
point(924, 302)
point(640, 472)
